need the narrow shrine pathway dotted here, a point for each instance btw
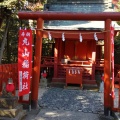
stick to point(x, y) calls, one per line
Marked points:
point(69, 104)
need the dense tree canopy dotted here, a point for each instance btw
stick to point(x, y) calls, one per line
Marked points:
point(9, 9)
point(117, 41)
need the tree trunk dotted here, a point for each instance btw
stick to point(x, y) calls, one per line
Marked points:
point(4, 40)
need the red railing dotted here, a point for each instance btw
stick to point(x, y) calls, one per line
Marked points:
point(99, 64)
point(47, 61)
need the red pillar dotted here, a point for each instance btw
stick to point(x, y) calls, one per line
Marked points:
point(107, 68)
point(37, 64)
point(56, 58)
point(93, 65)
point(60, 49)
point(93, 59)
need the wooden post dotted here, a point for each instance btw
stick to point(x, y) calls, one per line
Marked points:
point(93, 57)
point(59, 49)
point(56, 58)
point(37, 64)
point(93, 65)
point(107, 68)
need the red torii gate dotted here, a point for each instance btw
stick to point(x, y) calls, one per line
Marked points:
point(41, 16)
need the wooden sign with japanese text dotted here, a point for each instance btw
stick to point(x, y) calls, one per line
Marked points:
point(24, 61)
point(74, 75)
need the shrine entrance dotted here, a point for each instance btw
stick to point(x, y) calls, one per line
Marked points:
point(107, 17)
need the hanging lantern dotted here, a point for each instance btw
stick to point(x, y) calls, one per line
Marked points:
point(49, 36)
point(95, 37)
point(63, 37)
point(80, 37)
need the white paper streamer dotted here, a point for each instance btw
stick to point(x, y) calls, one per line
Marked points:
point(80, 37)
point(49, 36)
point(95, 37)
point(63, 37)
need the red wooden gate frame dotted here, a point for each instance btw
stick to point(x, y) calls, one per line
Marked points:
point(107, 17)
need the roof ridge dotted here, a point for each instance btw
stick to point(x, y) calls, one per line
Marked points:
point(78, 1)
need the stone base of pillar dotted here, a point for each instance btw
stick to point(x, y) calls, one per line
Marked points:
point(107, 111)
point(34, 104)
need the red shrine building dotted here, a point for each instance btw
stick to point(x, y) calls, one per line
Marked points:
point(74, 41)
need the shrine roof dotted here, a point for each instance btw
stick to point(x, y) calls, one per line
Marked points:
point(79, 6)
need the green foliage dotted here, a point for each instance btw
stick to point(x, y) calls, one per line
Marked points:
point(10, 51)
point(47, 47)
point(117, 49)
point(117, 42)
point(10, 9)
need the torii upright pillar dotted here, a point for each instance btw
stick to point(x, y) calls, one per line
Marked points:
point(37, 64)
point(107, 69)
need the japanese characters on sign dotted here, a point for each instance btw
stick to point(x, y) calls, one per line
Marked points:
point(74, 71)
point(24, 61)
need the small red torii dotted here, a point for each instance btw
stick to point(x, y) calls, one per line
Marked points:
point(107, 17)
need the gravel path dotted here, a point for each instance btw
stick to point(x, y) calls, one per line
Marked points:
point(68, 104)
point(82, 101)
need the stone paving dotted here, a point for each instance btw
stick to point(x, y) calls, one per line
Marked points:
point(48, 114)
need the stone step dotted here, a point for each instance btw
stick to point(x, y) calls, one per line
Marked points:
point(20, 116)
point(11, 112)
point(73, 87)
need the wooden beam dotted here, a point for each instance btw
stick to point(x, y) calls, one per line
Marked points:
point(49, 15)
point(56, 58)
